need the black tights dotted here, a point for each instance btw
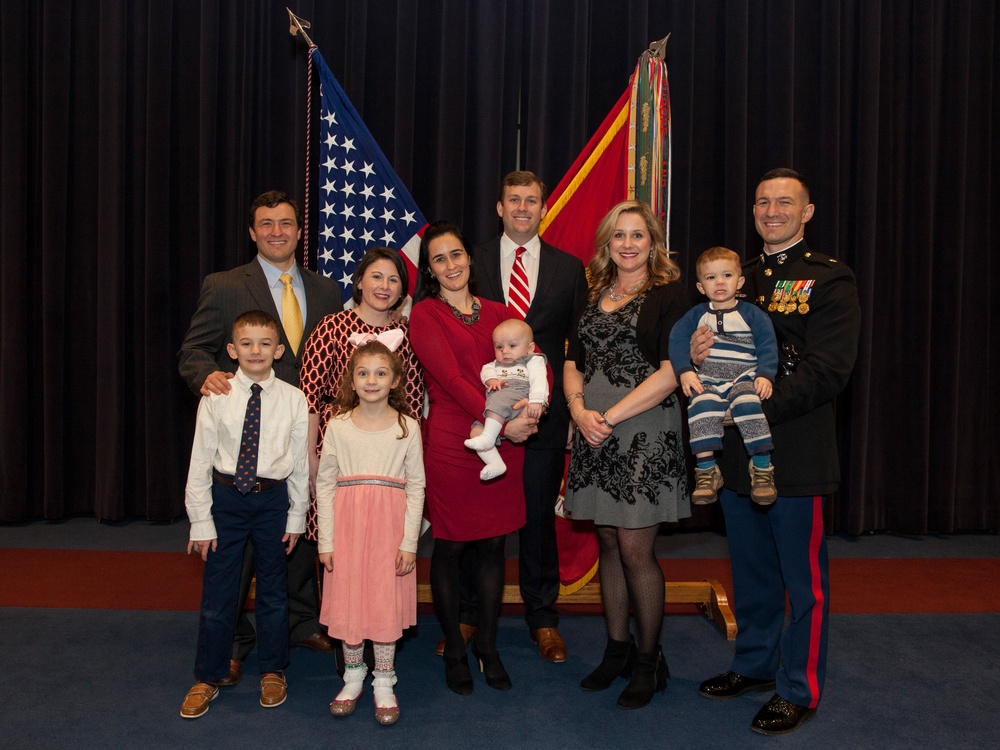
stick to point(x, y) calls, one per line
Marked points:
point(630, 573)
point(446, 590)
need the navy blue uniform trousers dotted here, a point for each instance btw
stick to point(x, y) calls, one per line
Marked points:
point(775, 550)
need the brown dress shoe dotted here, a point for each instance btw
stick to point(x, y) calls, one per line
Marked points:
point(318, 641)
point(273, 689)
point(197, 699)
point(468, 633)
point(235, 673)
point(551, 646)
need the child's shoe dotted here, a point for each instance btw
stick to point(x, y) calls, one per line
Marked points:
point(707, 483)
point(386, 706)
point(197, 699)
point(762, 489)
point(347, 698)
point(273, 689)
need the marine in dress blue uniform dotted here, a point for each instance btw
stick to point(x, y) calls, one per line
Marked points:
point(781, 549)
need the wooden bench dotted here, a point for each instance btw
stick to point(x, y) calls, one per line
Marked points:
point(709, 596)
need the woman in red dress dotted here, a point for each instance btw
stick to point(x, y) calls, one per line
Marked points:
point(452, 334)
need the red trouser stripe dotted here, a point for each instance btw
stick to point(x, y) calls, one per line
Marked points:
point(816, 625)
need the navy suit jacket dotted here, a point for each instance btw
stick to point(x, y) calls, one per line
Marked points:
point(559, 299)
point(227, 295)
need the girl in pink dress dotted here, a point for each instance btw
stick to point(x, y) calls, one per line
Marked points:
point(369, 502)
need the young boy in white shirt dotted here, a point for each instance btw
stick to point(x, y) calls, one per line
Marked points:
point(248, 481)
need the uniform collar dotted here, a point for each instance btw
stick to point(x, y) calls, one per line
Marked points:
point(784, 257)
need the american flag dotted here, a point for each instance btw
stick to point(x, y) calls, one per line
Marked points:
point(362, 201)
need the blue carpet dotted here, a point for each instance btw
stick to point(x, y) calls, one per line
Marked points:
point(111, 679)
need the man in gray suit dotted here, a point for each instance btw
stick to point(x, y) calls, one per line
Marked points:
point(276, 227)
point(558, 291)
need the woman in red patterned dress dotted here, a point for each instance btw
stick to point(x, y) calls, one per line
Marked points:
point(380, 283)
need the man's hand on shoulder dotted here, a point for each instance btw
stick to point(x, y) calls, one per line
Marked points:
point(217, 382)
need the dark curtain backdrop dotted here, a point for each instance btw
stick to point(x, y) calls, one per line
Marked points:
point(133, 136)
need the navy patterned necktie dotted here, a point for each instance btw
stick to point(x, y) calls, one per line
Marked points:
point(246, 464)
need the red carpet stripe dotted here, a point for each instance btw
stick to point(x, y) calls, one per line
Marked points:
point(76, 579)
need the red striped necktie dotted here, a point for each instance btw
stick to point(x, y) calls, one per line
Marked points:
point(518, 295)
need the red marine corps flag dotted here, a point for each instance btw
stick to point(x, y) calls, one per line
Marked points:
point(627, 158)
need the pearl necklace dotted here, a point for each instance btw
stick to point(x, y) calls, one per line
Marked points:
point(625, 292)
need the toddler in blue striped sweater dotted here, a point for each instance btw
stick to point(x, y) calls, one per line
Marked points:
point(737, 374)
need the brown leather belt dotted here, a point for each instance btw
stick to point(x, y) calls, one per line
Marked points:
point(227, 480)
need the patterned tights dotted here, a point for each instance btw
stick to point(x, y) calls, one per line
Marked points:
point(629, 573)
point(385, 655)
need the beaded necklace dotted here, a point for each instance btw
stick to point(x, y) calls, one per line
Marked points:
point(467, 319)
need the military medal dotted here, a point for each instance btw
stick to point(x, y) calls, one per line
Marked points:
point(804, 295)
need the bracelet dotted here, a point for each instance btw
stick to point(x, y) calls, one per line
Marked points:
point(604, 418)
point(573, 397)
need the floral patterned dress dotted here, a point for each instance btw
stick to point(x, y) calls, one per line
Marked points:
point(638, 476)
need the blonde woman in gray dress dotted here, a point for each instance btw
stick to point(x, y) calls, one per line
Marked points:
point(628, 471)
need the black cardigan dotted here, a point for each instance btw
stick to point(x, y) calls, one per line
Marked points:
point(662, 308)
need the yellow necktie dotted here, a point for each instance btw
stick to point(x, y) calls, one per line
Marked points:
point(291, 314)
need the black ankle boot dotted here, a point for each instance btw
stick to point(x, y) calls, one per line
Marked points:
point(650, 676)
point(618, 661)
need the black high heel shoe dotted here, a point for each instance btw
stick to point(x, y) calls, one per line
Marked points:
point(649, 676)
point(492, 669)
point(457, 674)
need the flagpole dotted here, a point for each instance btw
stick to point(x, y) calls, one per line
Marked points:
point(658, 48)
point(298, 26)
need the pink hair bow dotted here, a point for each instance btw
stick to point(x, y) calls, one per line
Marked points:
point(391, 338)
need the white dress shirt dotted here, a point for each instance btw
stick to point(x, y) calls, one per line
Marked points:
point(284, 423)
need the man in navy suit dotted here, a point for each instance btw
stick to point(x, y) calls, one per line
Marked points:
point(275, 225)
point(558, 290)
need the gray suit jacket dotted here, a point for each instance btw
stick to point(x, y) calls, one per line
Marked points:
point(227, 295)
point(560, 296)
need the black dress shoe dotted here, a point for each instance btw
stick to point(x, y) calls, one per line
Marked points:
point(318, 641)
point(731, 684)
point(780, 717)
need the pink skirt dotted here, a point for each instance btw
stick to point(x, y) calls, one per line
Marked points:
point(363, 598)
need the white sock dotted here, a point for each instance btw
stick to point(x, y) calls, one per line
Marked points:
point(488, 437)
point(495, 466)
point(354, 683)
point(382, 683)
